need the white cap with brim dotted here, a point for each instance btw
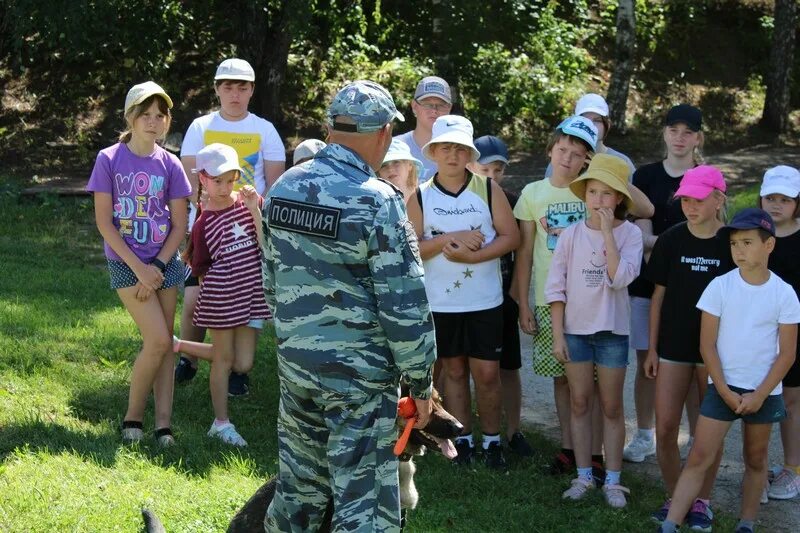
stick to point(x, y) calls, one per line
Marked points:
point(400, 151)
point(217, 159)
point(142, 91)
point(782, 179)
point(235, 69)
point(580, 127)
point(452, 129)
point(592, 103)
point(307, 149)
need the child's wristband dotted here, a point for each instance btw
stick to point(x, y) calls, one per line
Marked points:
point(160, 264)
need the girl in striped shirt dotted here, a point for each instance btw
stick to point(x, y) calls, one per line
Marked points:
point(225, 254)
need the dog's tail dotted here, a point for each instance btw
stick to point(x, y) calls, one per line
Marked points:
point(151, 522)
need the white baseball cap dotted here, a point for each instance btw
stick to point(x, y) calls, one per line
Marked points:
point(235, 69)
point(142, 91)
point(307, 149)
point(783, 180)
point(216, 159)
point(591, 103)
point(452, 129)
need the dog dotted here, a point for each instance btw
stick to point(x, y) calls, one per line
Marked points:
point(436, 436)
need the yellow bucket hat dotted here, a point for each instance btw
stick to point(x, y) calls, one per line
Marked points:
point(609, 169)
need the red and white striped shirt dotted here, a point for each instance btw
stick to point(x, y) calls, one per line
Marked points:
point(227, 256)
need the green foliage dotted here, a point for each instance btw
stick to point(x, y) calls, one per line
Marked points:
point(523, 93)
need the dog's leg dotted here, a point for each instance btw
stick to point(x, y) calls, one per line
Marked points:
point(408, 490)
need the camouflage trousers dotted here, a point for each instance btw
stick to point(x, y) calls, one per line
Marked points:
point(334, 447)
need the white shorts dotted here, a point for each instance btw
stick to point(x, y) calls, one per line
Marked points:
point(640, 323)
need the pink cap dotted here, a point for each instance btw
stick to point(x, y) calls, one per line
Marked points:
point(699, 182)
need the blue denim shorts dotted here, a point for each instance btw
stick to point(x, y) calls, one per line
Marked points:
point(772, 410)
point(602, 348)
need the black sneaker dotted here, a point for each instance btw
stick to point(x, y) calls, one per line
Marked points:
point(519, 445)
point(238, 384)
point(465, 453)
point(562, 464)
point(184, 371)
point(493, 457)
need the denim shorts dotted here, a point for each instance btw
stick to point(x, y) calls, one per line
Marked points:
point(713, 406)
point(602, 348)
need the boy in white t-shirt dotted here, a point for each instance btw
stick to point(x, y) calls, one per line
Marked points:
point(748, 340)
point(262, 158)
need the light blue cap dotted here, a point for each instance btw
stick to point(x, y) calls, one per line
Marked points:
point(399, 151)
point(366, 103)
point(580, 127)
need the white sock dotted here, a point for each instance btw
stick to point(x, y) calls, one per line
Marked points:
point(488, 439)
point(467, 438)
point(648, 434)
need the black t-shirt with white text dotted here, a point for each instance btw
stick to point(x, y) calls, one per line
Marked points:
point(659, 187)
point(685, 265)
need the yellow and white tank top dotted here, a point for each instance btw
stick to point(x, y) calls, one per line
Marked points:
point(459, 287)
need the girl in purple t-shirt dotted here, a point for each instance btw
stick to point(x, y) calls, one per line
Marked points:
point(140, 193)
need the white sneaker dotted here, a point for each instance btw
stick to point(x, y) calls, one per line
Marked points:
point(227, 433)
point(638, 449)
point(785, 486)
point(578, 489)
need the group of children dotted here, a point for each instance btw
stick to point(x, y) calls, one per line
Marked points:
point(690, 278)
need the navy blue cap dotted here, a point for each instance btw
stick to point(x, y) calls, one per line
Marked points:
point(750, 218)
point(491, 149)
point(689, 115)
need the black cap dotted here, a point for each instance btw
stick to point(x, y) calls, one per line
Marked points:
point(689, 115)
point(750, 218)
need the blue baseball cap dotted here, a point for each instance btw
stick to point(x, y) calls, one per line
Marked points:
point(366, 103)
point(750, 218)
point(580, 127)
point(491, 149)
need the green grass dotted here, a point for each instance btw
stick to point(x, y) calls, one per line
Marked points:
point(66, 349)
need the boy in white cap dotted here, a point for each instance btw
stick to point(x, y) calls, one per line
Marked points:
point(432, 99)
point(465, 224)
point(262, 158)
point(594, 107)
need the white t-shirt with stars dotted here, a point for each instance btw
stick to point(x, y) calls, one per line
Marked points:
point(459, 287)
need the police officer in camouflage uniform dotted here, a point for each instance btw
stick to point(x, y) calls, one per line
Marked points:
point(343, 276)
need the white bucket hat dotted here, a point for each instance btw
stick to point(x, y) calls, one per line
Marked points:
point(783, 180)
point(399, 151)
point(452, 129)
point(216, 159)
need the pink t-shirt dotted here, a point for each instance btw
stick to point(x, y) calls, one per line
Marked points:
point(579, 276)
point(141, 188)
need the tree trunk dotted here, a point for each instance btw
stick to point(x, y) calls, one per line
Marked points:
point(617, 96)
point(776, 103)
point(264, 39)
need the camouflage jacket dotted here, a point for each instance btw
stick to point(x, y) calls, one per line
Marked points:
point(344, 280)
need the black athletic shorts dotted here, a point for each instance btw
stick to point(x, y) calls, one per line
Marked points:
point(511, 358)
point(477, 334)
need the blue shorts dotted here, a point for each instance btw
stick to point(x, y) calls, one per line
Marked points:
point(602, 348)
point(713, 406)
